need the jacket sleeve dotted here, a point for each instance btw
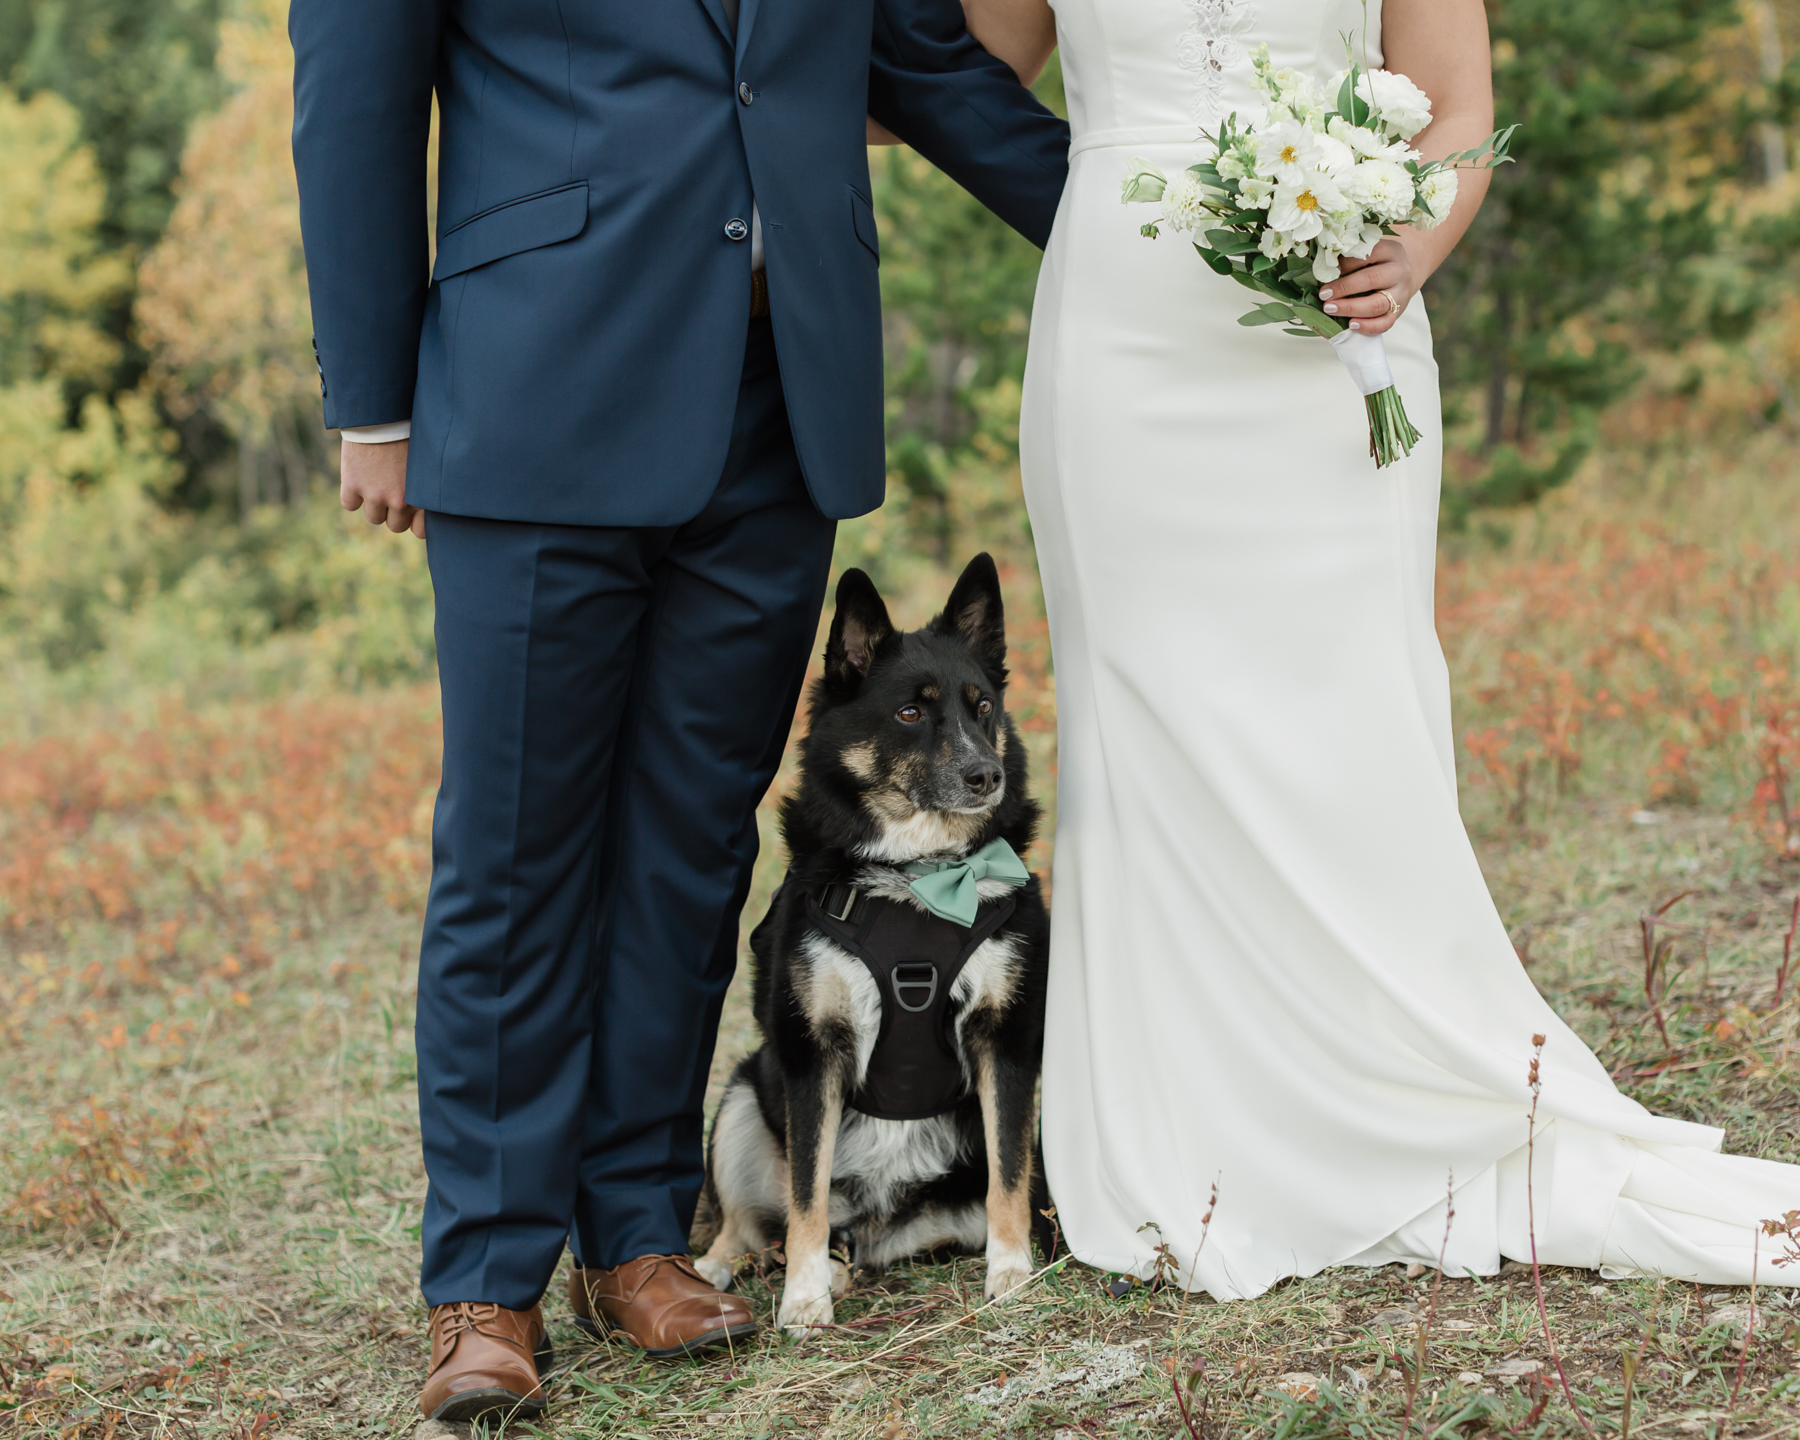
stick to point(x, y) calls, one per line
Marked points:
point(363, 76)
point(966, 112)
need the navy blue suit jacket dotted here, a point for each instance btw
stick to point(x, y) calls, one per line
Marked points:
point(573, 355)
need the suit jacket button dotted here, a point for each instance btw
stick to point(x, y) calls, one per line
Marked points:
point(736, 229)
point(745, 93)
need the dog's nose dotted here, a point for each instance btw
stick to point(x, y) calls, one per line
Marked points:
point(983, 779)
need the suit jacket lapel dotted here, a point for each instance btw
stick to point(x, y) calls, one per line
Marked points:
point(717, 11)
point(746, 20)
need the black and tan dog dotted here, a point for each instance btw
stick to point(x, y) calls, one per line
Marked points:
point(900, 971)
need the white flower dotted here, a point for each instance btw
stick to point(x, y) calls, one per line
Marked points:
point(1359, 243)
point(1274, 244)
point(1366, 143)
point(1401, 106)
point(1301, 99)
point(1335, 157)
point(1439, 192)
point(1184, 202)
point(1299, 207)
point(1234, 165)
point(1287, 150)
point(1143, 181)
point(1325, 265)
point(1255, 192)
point(1382, 188)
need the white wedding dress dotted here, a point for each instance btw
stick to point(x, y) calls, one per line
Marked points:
point(1275, 964)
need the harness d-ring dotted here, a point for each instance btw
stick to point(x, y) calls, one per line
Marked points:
point(911, 979)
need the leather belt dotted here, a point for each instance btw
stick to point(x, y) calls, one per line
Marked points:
point(759, 293)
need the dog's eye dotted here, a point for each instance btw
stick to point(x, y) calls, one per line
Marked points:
point(985, 709)
point(909, 715)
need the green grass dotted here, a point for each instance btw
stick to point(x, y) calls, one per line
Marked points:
point(227, 1245)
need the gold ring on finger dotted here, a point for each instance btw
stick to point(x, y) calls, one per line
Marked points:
point(1393, 304)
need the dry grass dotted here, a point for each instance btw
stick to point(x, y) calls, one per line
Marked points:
point(209, 1178)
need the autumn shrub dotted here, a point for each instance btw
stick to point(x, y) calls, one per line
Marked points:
point(1633, 653)
point(68, 1181)
point(238, 818)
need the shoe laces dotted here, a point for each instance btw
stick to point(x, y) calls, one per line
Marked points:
point(464, 1316)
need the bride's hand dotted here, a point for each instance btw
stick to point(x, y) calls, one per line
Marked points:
point(1360, 294)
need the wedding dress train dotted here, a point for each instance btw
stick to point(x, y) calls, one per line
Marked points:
point(1275, 964)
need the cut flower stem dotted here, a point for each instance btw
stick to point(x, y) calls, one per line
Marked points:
point(1391, 435)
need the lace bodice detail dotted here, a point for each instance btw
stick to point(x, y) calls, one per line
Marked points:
point(1181, 66)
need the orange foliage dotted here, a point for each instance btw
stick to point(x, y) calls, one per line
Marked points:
point(1667, 656)
point(98, 1149)
point(295, 808)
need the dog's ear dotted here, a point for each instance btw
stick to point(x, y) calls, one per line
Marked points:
point(857, 630)
point(975, 613)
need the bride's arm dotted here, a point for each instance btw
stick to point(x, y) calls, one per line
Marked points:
point(1020, 32)
point(1442, 47)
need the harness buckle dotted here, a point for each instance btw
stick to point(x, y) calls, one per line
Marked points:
point(911, 979)
point(839, 902)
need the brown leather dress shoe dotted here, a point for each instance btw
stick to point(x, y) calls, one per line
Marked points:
point(485, 1360)
point(661, 1304)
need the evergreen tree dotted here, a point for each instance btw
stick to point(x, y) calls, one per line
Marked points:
point(1588, 249)
point(956, 290)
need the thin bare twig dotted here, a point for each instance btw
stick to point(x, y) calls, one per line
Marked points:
point(1656, 959)
point(1750, 1329)
point(1631, 1363)
point(1196, 1429)
point(1787, 952)
point(1425, 1325)
point(1535, 1078)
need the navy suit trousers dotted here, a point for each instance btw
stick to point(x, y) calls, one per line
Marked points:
point(616, 701)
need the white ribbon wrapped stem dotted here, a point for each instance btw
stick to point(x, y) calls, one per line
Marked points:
point(1365, 357)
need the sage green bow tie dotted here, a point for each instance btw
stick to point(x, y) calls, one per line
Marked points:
point(947, 887)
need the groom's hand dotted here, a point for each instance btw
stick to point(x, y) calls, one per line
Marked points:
point(1360, 294)
point(375, 476)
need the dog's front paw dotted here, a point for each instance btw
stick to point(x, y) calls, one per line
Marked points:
point(803, 1313)
point(840, 1278)
point(716, 1273)
point(1006, 1274)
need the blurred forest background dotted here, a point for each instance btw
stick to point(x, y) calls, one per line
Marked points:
point(166, 487)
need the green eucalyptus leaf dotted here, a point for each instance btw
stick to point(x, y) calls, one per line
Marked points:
point(1230, 242)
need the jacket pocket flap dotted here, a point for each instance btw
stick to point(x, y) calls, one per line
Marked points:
point(862, 216)
point(524, 224)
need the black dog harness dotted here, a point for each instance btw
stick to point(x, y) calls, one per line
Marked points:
point(915, 958)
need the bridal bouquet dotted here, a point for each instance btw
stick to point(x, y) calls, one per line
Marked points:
point(1276, 204)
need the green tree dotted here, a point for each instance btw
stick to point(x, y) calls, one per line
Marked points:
point(1594, 245)
point(956, 291)
point(138, 72)
point(56, 280)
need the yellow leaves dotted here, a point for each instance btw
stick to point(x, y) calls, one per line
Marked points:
point(223, 298)
point(76, 507)
point(54, 279)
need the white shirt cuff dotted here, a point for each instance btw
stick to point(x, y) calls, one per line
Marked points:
point(377, 434)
